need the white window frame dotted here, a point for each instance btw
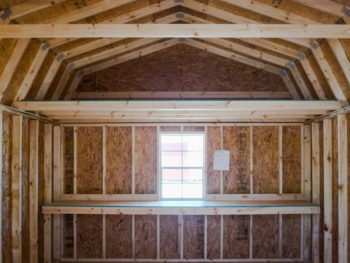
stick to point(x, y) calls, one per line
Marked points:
point(182, 133)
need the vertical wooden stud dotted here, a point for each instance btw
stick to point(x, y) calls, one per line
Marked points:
point(342, 189)
point(327, 202)
point(315, 190)
point(251, 159)
point(1, 165)
point(57, 177)
point(48, 192)
point(205, 237)
point(221, 172)
point(16, 186)
point(307, 192)
point(33, 189)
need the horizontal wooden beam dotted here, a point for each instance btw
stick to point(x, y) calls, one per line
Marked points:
point(289, 106)
point(183, 207)
point(184, 95)
point(175, 31)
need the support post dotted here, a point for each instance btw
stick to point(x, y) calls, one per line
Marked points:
point(342, 189)
point(33, 189)
point(327, 192)
point(315, 191)
point(48, 192)
point(57, 174)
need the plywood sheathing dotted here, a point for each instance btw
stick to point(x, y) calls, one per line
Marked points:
point(213, 144)
point(182, 68)
point(236, 236)
point(193, 230)
point(68, 159)
point(237, 141)
point(213, 234)
point(169, 236)
point(89, 236)
point(291, 157)
point(89, 160)
point(118, 236)
point(6, 188)
point(118, 160)
point(291, 236)
point(265, 160)
point(265, 236)
point(68, 236)
point(146, 156)
point(145, 236)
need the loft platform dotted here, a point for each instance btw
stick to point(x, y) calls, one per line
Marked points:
point(183, 207)
point(184, 110)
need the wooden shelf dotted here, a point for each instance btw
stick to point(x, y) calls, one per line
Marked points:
point(183, 207)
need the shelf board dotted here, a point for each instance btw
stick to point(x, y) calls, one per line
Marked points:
point(183, 207)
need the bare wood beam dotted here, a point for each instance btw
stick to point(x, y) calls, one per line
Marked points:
point(301, 31)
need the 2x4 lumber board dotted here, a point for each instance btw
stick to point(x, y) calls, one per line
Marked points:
point(129, 56)
point(184, 95)
point(57, 182)
point(185, 207)
point(307, 191)
point(342, 189)
point(12, 64)
point(126, 18)
point(48, 191)
point(327, 202)
point(33, 189)
point(258, 105)
point(16, 168)
point(71, 89)
point(48, 78)
point(32, 72)
point(327, 6)
point(30, 6)
point(341, 57)
point(315, 190)
point(301, 31)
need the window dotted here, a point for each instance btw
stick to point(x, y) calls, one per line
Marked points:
point(181, 166)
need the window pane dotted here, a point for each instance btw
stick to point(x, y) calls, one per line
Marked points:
point(171, 143)
point(171, 159)
point(193, 159)
point(171, 190)
point(192, 191)
point(192, 176)
point(193, 143)
point(171, 176)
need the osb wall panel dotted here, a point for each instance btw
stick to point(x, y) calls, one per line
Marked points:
point(25, 188)
point(68, 236)
point(146, 156)
point(265, 236)
point(236, 236)
point(193, 240)
point(194, 129)
point(335, 189)
point(89, 160)
point(265, 160)
point(237, 141)
point(6, 188)
point(182, 68)
point(170, 128)
point(118, 236)
point(146, 236)
point(213, 236)
point(89, 236)
point(291, 154)
point(68, 158)
point(213, 144)
point(291, 236)
point(169, 236)
point(118, 160)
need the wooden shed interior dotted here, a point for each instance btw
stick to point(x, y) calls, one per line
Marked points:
point(174, 131)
